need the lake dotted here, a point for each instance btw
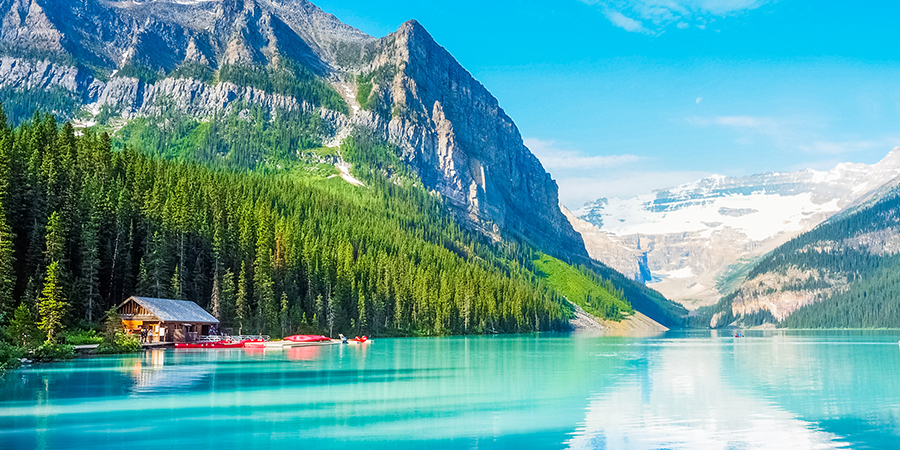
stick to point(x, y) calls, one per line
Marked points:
point(688, 390)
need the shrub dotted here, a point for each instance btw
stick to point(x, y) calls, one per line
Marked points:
point(9, 357)
point(52, 352)
point(121, 343)
point(83, 337)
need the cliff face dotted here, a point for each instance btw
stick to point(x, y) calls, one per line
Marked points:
point(454, 131)
point(449, 127)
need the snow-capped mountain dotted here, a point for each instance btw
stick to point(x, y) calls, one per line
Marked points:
point(689, 241)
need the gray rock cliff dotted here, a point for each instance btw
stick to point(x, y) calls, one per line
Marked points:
point(449, 127)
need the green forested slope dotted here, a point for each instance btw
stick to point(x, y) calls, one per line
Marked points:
point(871, 302)
point(595, 295)
point(245, 137)
point(266, 251)
point(858, 280)
point(249, 137)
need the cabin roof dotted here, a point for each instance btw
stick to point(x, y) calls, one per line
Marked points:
point(168, 310)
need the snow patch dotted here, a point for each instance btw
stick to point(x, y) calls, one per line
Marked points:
point(684, 272)
point(774, 214)
point(350, 96)
point(344, 167)
point(775, 203)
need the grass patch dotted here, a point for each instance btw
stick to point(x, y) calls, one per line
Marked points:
point(364, 94)
point(593, 294)
point(367, 95)
point(83, 337)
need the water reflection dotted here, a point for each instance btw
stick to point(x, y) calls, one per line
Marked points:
point(303, 353)
point(695, 391)
point(691, 395)
point(149, 373)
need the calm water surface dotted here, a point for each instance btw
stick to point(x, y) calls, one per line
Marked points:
point(690, 390)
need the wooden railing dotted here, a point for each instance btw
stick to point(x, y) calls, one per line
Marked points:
point(217, 338)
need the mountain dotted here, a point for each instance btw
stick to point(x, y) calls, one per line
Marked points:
point(841, 274)
point(115, 61)
point(695, 241)
point(283, 90)
point(84, 227)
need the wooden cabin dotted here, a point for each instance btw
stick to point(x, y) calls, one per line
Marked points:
point(166, 320)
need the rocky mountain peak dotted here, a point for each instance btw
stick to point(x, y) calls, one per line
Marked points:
point(454, 131)
point(447, 125)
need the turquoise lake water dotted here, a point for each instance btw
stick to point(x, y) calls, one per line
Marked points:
point(686, 390)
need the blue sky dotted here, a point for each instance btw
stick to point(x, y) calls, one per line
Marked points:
point(619, 97)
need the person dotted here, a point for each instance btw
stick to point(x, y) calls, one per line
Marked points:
point(343, 338)
point(143, 335)
point(150, 335)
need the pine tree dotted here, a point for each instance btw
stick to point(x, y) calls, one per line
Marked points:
point(175, 291)
point(52, 304)
point(7, 267)
point(154, 267)
point(329, 313)
point(319, 314)
point(361, 321)
point(242, 311)
point(90, 265)
point(263, 286)
point(267, 309)
point(7, 239)
point(215, 307)
point(285, 314)
point(227, 298)
point(22, 329)
point(56, 240)
point(145, 283)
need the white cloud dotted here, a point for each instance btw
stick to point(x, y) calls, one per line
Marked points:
point(842, 147)
point(792, 134)
point(780, 131)
point(726, 7)
point(745, 122)
point(626, 23)
point(582, 178)
point(555, 159)
point(654, 16)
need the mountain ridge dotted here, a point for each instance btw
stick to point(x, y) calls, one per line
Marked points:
point(692, 241)
point(446, 123)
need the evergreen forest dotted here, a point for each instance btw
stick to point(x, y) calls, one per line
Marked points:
point(852, 266)
point(85, 225)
